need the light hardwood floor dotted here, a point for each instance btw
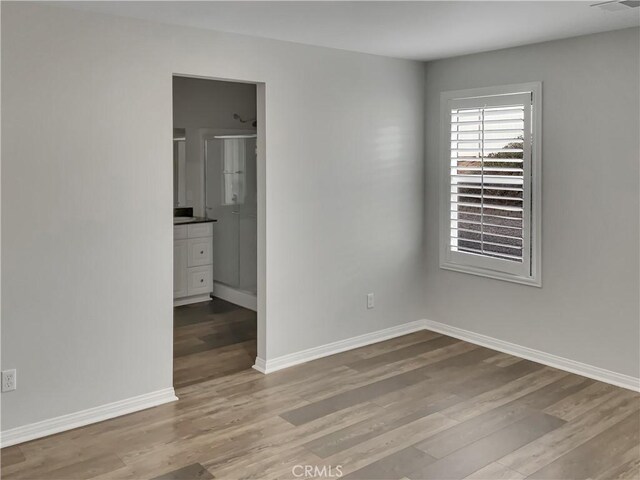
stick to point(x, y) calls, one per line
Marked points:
point(421, 406)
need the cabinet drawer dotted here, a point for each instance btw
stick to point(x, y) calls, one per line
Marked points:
point(200, 230)
point(200, 280)
point(179, 232)
point(200, 251)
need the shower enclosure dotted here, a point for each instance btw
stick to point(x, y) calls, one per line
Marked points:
point(231, 198)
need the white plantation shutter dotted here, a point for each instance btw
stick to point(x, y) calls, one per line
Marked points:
point(488, 155)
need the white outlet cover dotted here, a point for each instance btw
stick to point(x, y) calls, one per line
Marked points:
point(8, 380)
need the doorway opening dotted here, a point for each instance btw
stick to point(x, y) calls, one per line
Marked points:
point(217, 185)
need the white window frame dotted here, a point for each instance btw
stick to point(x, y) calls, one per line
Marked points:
point(529, 271)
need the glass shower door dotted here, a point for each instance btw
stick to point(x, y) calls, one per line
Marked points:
point(230, 193)
point(248, 222)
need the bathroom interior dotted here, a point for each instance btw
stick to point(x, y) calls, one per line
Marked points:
point(215, 228)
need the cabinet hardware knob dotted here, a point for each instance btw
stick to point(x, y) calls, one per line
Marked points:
point(201, 252)
point(202, 280)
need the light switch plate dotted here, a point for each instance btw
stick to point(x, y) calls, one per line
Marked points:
point(370, 300)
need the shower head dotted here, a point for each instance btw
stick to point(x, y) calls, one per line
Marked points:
point(242, 120)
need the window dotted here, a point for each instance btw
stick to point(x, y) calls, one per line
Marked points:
point(490, 218)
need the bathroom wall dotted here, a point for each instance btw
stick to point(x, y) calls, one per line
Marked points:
point(87, 194)
point(587, 309)
point(199, 103)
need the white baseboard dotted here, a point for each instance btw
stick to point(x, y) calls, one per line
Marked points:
point(561, 363)
point(179, 302)
point(260, 365)
point(568, 365)
point(142, 402)
point(285, 361)
point(85, 417)
point(237, 297)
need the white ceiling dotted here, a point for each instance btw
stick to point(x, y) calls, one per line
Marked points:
point(416, 30)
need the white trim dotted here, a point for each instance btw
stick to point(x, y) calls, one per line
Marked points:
point(142, 402)
point(260, 365)
point(566, 364)
point(237, 297)
point(86, 417)
point(178, 302)
point(286, 361)
point(483, 272)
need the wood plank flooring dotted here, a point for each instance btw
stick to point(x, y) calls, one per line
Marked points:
point(211, 340)
point(421, 406)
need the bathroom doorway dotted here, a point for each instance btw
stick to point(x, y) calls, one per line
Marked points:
point(217, 186)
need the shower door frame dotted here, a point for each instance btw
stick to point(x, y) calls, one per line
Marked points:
point(211, 134)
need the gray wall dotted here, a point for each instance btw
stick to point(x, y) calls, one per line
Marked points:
point(87, 198)
point(587, 309)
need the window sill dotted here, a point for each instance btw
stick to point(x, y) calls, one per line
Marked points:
point(530, 281)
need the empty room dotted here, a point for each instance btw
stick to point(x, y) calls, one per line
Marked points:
point(317, 240)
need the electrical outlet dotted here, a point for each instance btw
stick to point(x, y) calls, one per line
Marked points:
point(8, 380)
point(370, 301)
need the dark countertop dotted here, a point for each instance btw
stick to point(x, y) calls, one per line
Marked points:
point(195, 220)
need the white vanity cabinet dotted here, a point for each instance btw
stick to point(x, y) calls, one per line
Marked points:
point(179, 268)
point(192, 262)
